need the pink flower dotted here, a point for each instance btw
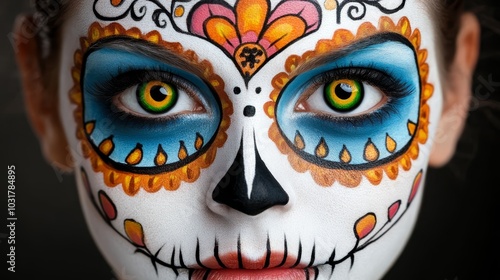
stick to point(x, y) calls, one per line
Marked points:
point(251, 34)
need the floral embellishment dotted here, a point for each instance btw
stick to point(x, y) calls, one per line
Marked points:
point(249, 33)
point(364, 227)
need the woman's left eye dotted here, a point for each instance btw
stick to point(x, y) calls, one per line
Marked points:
point(157, 98)
point(341, 98)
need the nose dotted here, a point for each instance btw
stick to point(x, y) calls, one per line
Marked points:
point(249, 186)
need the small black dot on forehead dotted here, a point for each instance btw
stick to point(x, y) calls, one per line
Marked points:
point(258, 90)
point(249, 111)
point(237, 90)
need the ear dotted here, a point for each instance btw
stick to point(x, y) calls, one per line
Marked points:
point(458, 91)
point(40, 95)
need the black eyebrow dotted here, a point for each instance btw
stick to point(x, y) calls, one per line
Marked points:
point(148, 49)
point(361, 44)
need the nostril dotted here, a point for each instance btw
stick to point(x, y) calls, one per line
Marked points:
point(249, 111)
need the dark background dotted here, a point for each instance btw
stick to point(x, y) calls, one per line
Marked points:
point(457, 234)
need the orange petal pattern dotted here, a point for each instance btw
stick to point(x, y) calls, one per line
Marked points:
point(250, 33)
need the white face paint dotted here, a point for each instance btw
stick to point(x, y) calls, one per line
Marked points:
point(250, 139)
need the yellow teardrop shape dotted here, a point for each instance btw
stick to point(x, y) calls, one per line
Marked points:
point(322, 149)
point(199, 142)
point(135, 155)
point(371, 151)
point(182, 151)
point(299, 141)
point(345, 155)
point(390, 144)
point(89, 127)
point(411, 127)
point(107, 146)
point(161, 156)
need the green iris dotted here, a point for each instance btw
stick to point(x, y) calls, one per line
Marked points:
point(157, 97)
point(344, 95)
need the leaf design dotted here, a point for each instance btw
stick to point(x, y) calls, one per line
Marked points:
point(365, 225)
point(107, 206)
point(393, 209)
point(134, 232)
point(416, 184)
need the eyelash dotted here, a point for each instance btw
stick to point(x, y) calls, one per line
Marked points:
point(390, 87)
point(114, 85)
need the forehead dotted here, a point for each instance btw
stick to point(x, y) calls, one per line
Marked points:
point(255, 36)
point(179, 20)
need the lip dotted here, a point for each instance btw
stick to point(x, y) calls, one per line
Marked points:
point(274, 265)
point(256, 274)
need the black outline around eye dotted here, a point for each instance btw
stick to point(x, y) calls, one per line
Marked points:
point(392, 87)
point(389, 87)
point(117, 114)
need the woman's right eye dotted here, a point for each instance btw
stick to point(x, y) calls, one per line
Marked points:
point(158, 99)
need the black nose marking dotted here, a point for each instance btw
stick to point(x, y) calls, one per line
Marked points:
point(266, 191)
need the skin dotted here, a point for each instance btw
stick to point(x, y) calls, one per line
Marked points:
point(320, 211)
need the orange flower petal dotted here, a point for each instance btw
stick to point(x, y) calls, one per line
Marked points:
point(221, 31)
point(284, 30)
point(251, 15)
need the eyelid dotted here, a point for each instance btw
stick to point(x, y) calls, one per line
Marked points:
point(390, 88)
point(376, 78)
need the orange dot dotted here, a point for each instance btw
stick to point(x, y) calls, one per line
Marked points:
point(179, 11)
point(116, 2)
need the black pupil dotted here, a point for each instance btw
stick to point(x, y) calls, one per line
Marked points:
point(158, 93)
point(343, 91)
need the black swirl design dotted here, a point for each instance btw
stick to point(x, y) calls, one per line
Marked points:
point(138, 9)
point(356, 9)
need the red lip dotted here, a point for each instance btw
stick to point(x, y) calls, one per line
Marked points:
point(255, 274)
point(275, 265)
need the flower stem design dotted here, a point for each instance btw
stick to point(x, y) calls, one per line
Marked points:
point(365, 225)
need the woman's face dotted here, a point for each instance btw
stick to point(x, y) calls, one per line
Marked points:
point(251, 138)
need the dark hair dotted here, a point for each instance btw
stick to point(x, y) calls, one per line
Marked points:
point(447, 13)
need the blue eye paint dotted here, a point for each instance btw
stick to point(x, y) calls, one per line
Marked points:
point(385, 61)
point(144, 144)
